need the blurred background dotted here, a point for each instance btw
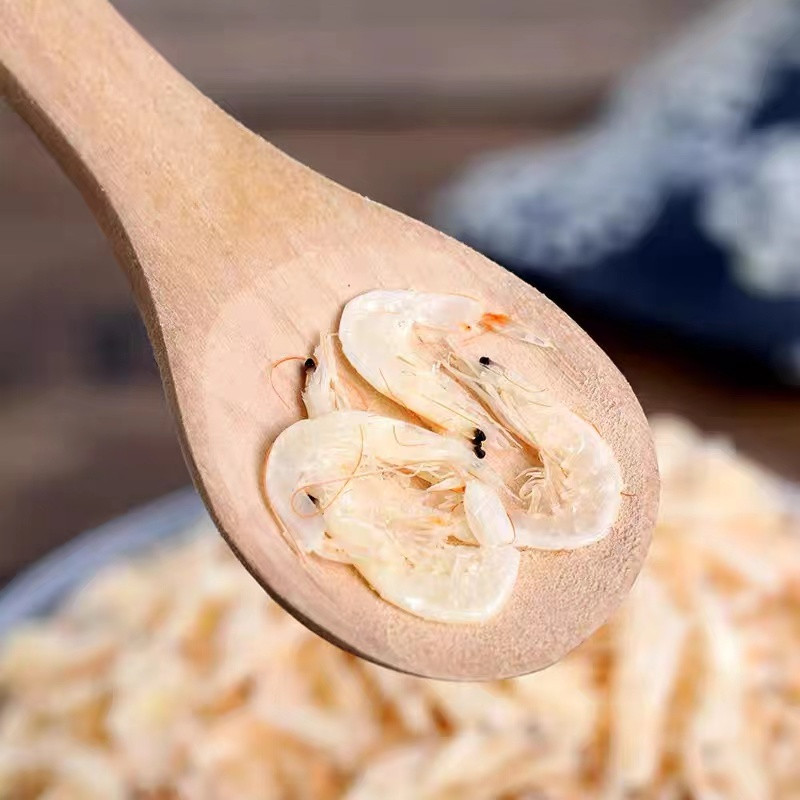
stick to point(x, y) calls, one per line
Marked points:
point(390, 99)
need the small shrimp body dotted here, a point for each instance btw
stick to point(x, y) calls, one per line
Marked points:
point(457, 584)
point(366, 490)
point(322, 392)
point(574, 497)
point(402, 550)
point(387, 337)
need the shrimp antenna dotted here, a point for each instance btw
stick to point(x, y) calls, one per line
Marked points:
point(355, 469)
point(405, 444)
point(272, 368)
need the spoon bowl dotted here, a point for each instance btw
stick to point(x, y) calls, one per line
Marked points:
point(238, 256)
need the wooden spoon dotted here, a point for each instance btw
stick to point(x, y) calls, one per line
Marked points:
point(237, 255)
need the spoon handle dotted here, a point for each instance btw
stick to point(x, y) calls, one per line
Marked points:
point(163, 169)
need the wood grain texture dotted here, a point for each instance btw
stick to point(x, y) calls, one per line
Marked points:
point(238, 255)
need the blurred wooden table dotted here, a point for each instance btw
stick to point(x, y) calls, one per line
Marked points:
point(387, 98)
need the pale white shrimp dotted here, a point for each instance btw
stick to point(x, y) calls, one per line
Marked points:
point(365, 489)
point(322, 392)
point(387, 337)
point(395, 339)
point(574, 496)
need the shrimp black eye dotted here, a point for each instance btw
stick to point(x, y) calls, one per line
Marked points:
point(478, 437)
point(485, 360)
point(309, 364)
point(479, 451)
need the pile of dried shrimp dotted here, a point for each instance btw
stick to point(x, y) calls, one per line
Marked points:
point(147, 685)
point(418, 511)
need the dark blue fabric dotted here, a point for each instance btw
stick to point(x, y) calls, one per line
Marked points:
point(675, 278)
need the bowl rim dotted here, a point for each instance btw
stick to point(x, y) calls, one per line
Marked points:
point(40, 587)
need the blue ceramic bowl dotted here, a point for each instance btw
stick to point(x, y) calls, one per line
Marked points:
point(39, 589)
